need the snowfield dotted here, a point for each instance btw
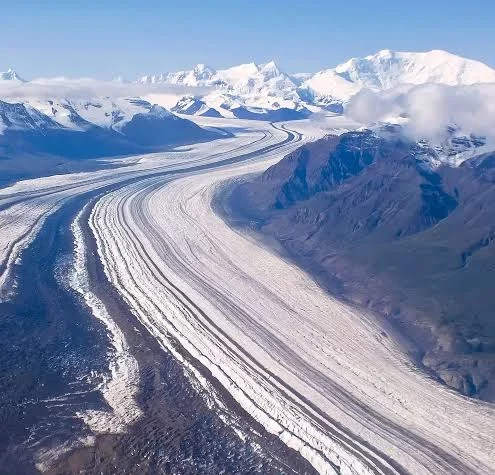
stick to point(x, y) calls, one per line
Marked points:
point(318, 373)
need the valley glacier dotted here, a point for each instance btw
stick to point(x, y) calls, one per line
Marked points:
point(303, 364)
point(317, 373)
point(256, 336)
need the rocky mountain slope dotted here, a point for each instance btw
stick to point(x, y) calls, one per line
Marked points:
point(392, 225)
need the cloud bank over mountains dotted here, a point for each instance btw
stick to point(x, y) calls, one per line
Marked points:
point(87, 88)
point(427, 110)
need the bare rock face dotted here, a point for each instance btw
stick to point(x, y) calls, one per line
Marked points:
point(378, 223)
point(461, 382)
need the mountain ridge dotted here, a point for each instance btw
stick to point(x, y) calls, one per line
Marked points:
point(266, 86)
point(257, 90)
point(11, 75)
point(376, 224)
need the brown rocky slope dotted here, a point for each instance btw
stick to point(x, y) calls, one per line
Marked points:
point(374, 221)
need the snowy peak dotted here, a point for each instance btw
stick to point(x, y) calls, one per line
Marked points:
point(264, 80)
point(19, 116)
point(387, 69)
point(329, 84)
point(198, 76)
point(240, 72)
point(251, 72)
point(10, 75)
point(270, 70)
point(203, 72)
point(159, 112)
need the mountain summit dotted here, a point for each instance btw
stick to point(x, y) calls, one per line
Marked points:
point(387, 69)
point(10, 75)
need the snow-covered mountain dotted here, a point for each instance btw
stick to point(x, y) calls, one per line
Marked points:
point(251, 88)
point(453, 148)
point(10, 75)
point(387, 69)
point(91, 128)
point(81, 114)
point(191, 105)
point(23, 117)
point(245, 79)
point(198, 76)
point(265, 88)
point(251, 91)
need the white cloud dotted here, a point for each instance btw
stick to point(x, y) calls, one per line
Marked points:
point(58, 88)
point(429, 109)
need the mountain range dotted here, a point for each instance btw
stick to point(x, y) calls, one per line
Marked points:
point(265, 92)
point(262, 88)
point(40, 136)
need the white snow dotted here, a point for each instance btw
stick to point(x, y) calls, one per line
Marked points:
point(10, 75)
point(387, 69)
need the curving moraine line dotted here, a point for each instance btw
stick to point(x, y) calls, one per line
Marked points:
point(311, 369)
point(31, 208)
point(25, 206)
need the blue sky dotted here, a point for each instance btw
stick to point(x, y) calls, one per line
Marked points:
point(46, 38)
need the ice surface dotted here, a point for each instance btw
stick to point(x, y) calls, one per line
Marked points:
point(316, 372)
point(121, 384)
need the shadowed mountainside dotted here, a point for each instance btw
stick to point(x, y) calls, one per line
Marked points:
point(376, 223)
